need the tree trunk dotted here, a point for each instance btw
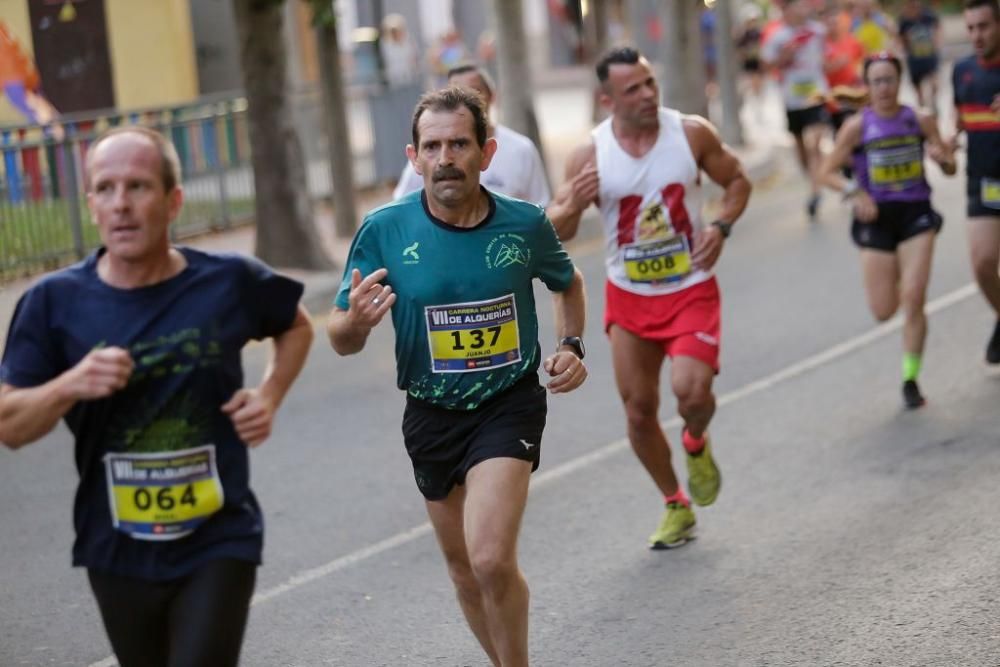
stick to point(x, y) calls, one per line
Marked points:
point(727, 74)
point(598, 44)
point(516, 107)
point(338, 139)
point(286, 232)
point(598, 21)
point(682, 57)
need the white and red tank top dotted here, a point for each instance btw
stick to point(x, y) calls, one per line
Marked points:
point(651, 206)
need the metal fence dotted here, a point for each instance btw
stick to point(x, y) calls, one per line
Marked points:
point(44, 221)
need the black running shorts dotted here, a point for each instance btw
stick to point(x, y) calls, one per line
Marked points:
point(445, 444)
point(896, 222)
point(921, 68)
point(800, 119)
point(975, 206)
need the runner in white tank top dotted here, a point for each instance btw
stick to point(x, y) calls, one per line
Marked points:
point(642, 169)
point(651, 206)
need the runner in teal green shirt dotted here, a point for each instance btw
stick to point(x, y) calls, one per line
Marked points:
point(466, 327)
point(455, 263)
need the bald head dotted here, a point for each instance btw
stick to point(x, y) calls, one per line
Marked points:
point(170, 164)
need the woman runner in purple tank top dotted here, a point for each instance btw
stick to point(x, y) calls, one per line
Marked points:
point(894, 225)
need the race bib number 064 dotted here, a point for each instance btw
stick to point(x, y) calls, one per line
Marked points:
point(473, 336)
point(163, 496)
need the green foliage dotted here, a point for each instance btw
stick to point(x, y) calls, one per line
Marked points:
point(322, 13)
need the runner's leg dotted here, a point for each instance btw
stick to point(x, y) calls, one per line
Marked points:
point(134, 612)
point(984, 251)
point(691, 380)
point(637, 364)
point(801, 153)
point(496, 494)
point(447, 517)
point(208, 614)
point(880, 270)
point(914, 256)
point(812, 135)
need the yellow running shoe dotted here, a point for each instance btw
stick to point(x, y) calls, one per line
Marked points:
point(676, 527)
point(704, 478)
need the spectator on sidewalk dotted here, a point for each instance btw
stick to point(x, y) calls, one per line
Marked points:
point(399, 52)
point(445, 53)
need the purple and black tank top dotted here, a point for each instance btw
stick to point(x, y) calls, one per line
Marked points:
point(890, 161)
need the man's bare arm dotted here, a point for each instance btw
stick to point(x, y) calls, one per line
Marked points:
point(937, 149)
point(721, 165)
point(577, 192)
point(368, 301)
point(27, 414)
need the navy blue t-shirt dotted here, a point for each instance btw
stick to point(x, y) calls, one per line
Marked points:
point(179, 492)
point(975, 84)
point(918, 35)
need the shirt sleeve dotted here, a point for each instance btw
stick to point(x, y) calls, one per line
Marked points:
point(552, 263)
point(409, 181)
point(365, 256)
point(275, 298)
point(30, 357)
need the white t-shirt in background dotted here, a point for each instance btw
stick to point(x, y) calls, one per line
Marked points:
point(804, 81)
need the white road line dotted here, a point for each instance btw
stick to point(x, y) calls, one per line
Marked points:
point(569, 467)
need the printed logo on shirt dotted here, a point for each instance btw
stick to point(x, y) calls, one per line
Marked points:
point(507, 250)
point(411, 252)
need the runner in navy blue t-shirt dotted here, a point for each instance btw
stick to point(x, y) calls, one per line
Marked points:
point(976, 84)
point(920, 33)
point(137, 348)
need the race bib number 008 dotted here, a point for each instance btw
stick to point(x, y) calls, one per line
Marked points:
point(163, 496)
point(659, 261)
point(473, 336)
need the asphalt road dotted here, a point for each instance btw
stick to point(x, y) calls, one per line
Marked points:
point(848, 532)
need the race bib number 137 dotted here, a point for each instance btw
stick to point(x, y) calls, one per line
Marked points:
point(473, 336)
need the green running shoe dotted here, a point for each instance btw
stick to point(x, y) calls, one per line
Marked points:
point(704, 478)
point(676, 527)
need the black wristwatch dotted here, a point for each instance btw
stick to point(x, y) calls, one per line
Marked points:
point(725, 227)
point(576, 343)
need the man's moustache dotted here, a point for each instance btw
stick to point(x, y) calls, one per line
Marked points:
point(448, 173)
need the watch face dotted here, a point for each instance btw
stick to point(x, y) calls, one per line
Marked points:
point(577, 343)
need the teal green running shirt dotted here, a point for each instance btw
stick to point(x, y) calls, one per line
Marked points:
point(465, 319)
